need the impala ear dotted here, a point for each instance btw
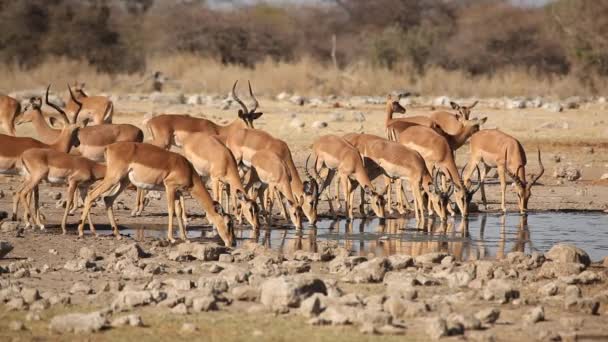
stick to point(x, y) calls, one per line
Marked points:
point(483, 120)
point(368, 190)
point(454, 105)
point(473, 105)
point(241, 114)
point(256, 115)
point(218, 208)
point(389, 97)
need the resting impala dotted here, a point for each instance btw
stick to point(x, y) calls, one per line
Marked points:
point(10, 109)
point(56, 167)
point(436, 151)
point(402, 163)
point(494, 148)
point(95, 109)
point(342, 158)
point(272, 178)
point(150, 167)
point(93, 139)
point(168, 129)
point(212, 159)
point(11, 149)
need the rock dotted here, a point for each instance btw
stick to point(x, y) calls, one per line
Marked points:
point(567, 172)
point(296, 123)
point(604, 177)
point(16, 304)
point(436, 328)
point(400, 261)
point(573, 291)
point(40, 305)
point(468, 322)
point(336, 117)
point(207, 303)
point(5, 248)
point(197, 251)
point(180, 309)
point(81, 288)
point(371, 271)
point(30, 295)
point(566, 253)
point(126, 300)
point(194, 100)
point(9, 226)
point(318, 124)
point(337, 315)
point(358, 117)
point(282, 96)
point(312, 306)
point(488, 316)
point(553, 107)
point(345, 264)
point(131, 251)
point(179, 284)
point(188, 328)
point(16, 326)
point(500, 290)
point(454, 328)
point(401, 290)
point(459, 279)
point(78, 323)
point(298, 100)
point(430, 258)
point(294, 266)
point(289, 291)
point(588, 277)
point(375, 317)
point(549, 289)
point(485, 269)
point(227, 258)
point(552, 269)
point(167, 98)
point(535, 315)
point(390, 329)
point(87, 253)
point(246, 293)
point(515, 104)
point(133, 320)
point(582, 305)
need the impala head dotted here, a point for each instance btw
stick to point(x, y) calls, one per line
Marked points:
point(248, 116)
point(376, 200)
point(33, 106)
point(59, 109)
point(440, 197)
point(393, 104)
point(78, 90)
point(295, 210)
point(310, 198)
point(224, 226)
point(248, 208)
point(463, 111)
point(474, 124)
point(464, 192)
point(523, 188)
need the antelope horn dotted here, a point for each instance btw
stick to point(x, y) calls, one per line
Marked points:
point(311, 179)
point(56, 107)
point(436, 180)
point(514, 177)
point(255, 100)
point(542, 170)
point(236, 98)
point(77, 103)
point(478, 180)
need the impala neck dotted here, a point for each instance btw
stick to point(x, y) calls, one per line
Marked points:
point(452, 170)
point(64, 141)
point(231, 128)
point(46, 133)
point(389, 114)
point(457, 140)
point(200, 193)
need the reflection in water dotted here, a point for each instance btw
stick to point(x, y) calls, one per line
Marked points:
point(479, 237)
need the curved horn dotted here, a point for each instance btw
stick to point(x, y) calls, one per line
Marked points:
point(255, 100)
point(542, 170)
point(514, 177)
point(236, 98)
point(436, 180)
point(478, 180)
point(310, 178)
point(56, 107)
point(78, 103)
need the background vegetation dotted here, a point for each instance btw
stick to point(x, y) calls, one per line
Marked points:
point(466, 47)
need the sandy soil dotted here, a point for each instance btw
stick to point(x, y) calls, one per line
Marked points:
point(582, 145)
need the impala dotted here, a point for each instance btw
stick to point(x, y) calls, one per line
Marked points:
point(56, 167)
point(399, 162)
point(436, 151)
point(212, 159)
point(10, 109)
point(151, 167)
point(395, 126)
point(93, 139)
point(95, 109)
point(342, 158)
point(168, 129)
point(272, 178)
point(494, 148)
point(11, 149)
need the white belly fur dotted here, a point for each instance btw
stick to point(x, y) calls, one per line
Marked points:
point(144, 186)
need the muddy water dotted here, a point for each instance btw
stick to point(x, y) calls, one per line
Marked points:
point(482, 236)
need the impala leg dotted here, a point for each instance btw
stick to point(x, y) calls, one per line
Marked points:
point(351, 197)
point(170, 210)
point(503, 187)
point(182, 203)
point(269, 204)
point(346, 185)
point(114, 185)
point(137, 202)
point(277, 198)
point(70, 192)
point(484, 172)
point(362, 201)
point(23, 196)
point(179, 212)
point(109, 202)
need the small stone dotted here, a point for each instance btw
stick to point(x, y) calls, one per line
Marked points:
point(81, 288)
point(467, 321)
point(207, 303)
point(87, 253)
point(5, 248)
point(227, 258)
point(53, 251)
point(436, 328)
point(488, 316)
point(78, 322)
point(573, 291)
point(179, 284)
point(312, 306)
point(582, 305)
point(535, 315)
point(180, 309)
point(189, 328)
point(16, 326)
point(30, 295)
point(549, 289)
point(296, 123)
point(318, 124)
point(246, 293)
point(500, 290)
point(133, 320)
point(568, 253)
point(16, 304)
point(9, 226)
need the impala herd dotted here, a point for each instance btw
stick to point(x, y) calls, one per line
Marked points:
point(248, 169)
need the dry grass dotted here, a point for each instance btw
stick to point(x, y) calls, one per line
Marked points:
point(306, 77)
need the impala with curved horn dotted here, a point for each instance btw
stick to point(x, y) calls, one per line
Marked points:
point(494, 148)
point(94, 109)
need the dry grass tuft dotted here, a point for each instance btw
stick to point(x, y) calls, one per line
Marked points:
point(307, 77)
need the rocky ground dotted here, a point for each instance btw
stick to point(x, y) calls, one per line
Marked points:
point(53, 286)
point(65, 287)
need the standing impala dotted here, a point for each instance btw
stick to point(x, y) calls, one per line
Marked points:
point(168, 129)
point(342, 158)
point(95, 109)
point(56, 167)
point(212, 159)
point(394, 126)
point(436, 151)
point(494, 148)
point(10, 109)
point(150, 167)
